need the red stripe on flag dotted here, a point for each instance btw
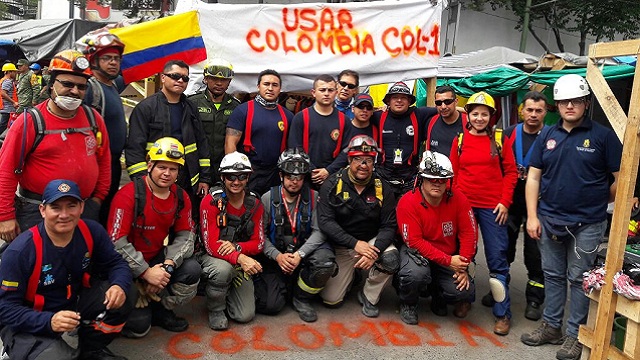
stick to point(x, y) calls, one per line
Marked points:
point(150, 68)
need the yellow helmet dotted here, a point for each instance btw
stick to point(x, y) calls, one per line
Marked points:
point(167, 149)
point(9, 67)
point(481, 98)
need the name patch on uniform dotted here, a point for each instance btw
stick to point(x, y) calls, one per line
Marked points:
point(371, 199)
point(586, 146)
point(9, 285)
point(204, 109)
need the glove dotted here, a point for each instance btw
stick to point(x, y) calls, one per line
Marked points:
point(144, 298)
point(417, 257)
point(237, 281)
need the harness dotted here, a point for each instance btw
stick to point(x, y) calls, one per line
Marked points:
point(414, 123)
point(41, 131)
point(234, 228)
point(432, 122)
point(345, 195)
point(305, 136)
point(247, 145)
point(32, 287)
point(496, 145)
point(280, 222)
point(140, 198)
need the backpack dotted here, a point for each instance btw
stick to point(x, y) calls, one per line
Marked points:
point(140, 198)
point(41, 131)
point(97, 99)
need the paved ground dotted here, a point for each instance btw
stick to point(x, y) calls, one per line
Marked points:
point(347, 334)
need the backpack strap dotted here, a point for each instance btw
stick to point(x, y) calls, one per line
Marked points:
point(305, 131)
point(98, 101)
point(341, 120)
point(416, 145)
point(285, 128)
point(432, 122)
point(277, 217)
point(246, 144)
point(378, 185)
point(383, 118)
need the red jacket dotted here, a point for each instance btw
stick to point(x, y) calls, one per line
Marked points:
point(479, 175)
point(438, 232)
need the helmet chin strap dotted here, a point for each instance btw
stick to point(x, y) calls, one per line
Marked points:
point(104, 73)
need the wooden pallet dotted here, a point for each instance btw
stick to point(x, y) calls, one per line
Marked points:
point(596, 334)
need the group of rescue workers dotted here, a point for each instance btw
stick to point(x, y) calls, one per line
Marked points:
point(266, 208)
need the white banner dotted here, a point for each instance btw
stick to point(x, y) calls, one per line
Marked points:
point(385, 41)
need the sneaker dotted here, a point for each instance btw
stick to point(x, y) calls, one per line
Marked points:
point(438, 306)
point(487, 300)
point(571, 349)
point(461, 309)
point(544, 334)
point(502, 326)
point(368, 309)
point(533, 312)
point(409, 314)
point(168, 320)
point(306, 312)
point(218, 320)
point(102, 354)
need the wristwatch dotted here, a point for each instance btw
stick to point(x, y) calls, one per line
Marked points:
point(302, 254)
point(168, 268)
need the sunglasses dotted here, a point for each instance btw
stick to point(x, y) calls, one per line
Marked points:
point(347, 85)
point(445, 101)
point(234, 177)
point(292, 177)
point(365, 107)
point(437, 181)
point(177, 77)
point(71, 85)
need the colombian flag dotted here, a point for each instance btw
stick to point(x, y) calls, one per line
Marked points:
point(149, 45)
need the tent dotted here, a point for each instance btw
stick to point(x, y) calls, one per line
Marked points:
point(42, 39)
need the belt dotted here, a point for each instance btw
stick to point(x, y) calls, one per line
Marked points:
point(22, 192)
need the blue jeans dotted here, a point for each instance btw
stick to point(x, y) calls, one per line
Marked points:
point(565, 259)
point(496, 244)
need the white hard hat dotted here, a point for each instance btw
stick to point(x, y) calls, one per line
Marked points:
point(235, 162)
point(435, 166)
point(570, 86)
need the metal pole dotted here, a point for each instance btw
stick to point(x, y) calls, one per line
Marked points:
point(71, 9)
point(525, 26)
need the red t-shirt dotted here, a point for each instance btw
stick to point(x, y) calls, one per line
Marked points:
point(154, 226)
point(211, 232)
point(438, 232)
point(478, 174)
point(72, 157)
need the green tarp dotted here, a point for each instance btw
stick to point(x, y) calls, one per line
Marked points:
point(505, 81)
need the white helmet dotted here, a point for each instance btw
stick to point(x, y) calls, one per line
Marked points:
point(234, 163)
point(435, 166)
point(570, 86)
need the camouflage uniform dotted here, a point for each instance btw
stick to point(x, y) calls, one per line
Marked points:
point(25, 91)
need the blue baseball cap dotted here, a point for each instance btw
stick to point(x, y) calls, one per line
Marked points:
point(57, 189)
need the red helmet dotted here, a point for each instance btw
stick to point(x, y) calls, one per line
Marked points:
point(92, 44)
point(362, 145)
point(70, 62)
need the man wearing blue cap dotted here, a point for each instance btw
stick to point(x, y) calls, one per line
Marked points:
point(62, 274)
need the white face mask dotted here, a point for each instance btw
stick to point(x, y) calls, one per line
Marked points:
point(66, 102)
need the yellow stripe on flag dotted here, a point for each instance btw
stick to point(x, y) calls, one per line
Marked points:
point(160, 31)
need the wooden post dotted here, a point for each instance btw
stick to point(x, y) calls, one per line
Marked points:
point(431, 91)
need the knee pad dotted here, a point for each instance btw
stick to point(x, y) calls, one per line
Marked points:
point(314, 277)
point(497, 284)
point(388, 262)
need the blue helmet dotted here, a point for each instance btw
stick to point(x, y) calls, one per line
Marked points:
point(35, 67)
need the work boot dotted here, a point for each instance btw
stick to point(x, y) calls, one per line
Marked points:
point(461, 309)
point(167, 319)
point(571, 349)
point(306, 312)
point(533, 312)
point(102, 354)
point(368, 309)
point(218, 320)
point(438, 306)
point(544, 334)
point(409, 314)
point(487, 300)
point(502, 326)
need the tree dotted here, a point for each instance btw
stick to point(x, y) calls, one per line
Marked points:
point(601, 19)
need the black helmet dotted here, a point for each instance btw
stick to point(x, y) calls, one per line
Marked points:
point(294, 161)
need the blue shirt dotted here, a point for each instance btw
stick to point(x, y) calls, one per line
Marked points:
point(113, 111)
point(267, 131)
point(575, 170)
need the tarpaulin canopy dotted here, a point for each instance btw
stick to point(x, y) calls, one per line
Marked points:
point(42, 39)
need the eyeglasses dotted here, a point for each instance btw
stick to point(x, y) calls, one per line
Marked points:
point(365, 107)
point(71, 85)
point(445, 101)
point(574, 102)
point(109, 59)
point(363, 160)
point(292, 177)
point(234, 177)
point(437, 181)
point(177, 77)
point(347, 85)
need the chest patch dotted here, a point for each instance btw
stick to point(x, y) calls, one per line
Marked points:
point(551, 144)
point(410, 130)
point(335, 134)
